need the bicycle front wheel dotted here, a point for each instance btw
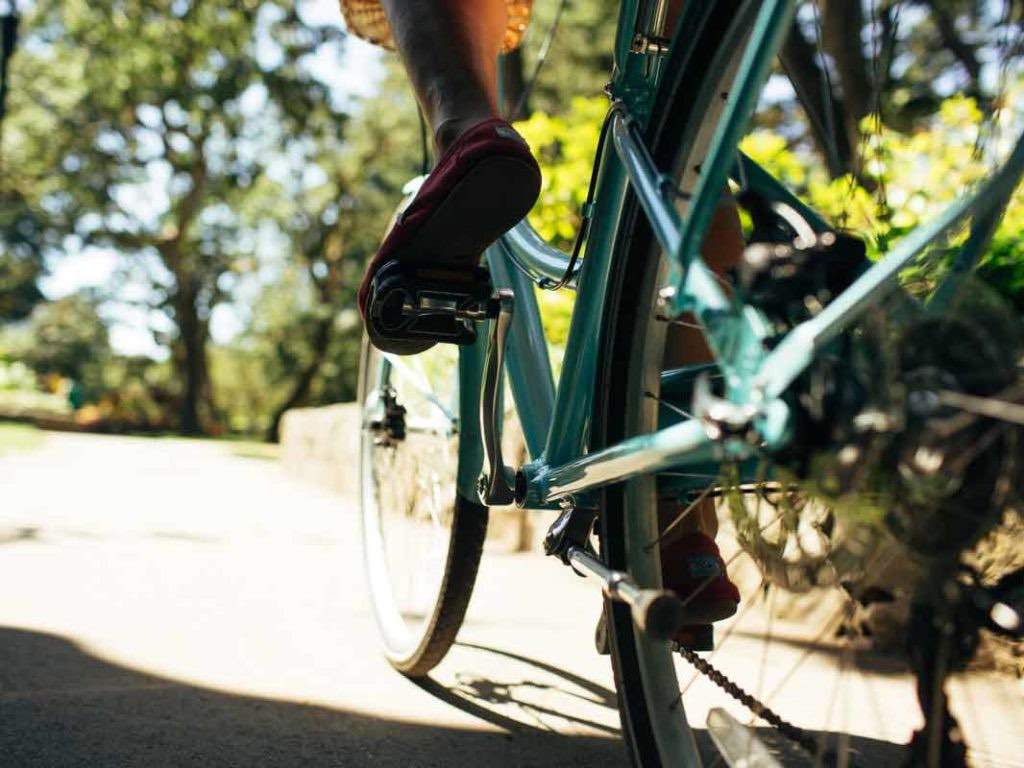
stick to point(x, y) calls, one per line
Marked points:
point(422, 541)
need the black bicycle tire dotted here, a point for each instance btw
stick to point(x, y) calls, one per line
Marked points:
point(634, 249)
point(465, 548)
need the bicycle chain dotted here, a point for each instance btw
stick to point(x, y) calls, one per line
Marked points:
point(794, 733)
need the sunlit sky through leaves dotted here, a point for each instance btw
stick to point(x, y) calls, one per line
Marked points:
point(130, 322)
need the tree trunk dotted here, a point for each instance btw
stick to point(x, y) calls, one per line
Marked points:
point(842, 27)
point(827, 127)
point(190, 360)
point(300, 391)
point(965, 53)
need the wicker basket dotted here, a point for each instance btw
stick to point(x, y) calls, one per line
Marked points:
point(366, 19)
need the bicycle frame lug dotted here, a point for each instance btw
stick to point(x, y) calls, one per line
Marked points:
point(722, 418)
point(570, 529)
point(497, 486)
point(649, 45)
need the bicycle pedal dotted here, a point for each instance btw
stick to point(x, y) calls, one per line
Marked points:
point(696, 637)
point(425, 303)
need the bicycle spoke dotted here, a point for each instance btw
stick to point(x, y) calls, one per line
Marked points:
point(677, 322)
point(822, 750)
point(728, 632)
point(701, 475)
point(419, 381)
point(832, 147)
point(671, 406)
point(843, 742)
point(682, 516)
point(990, 407)
point(766, 645)
point(733, 558)
point(812, 647)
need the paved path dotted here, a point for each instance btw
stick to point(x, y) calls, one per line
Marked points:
point(167, 603)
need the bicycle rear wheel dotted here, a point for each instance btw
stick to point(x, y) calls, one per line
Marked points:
point(647, 674)
point(422, 541)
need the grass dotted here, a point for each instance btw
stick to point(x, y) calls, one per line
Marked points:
point(251, 450)
point(19, 437)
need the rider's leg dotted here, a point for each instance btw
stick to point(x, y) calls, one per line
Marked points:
point(690, 559)
point(722, 250)
point(450, 50)
point(485, 179)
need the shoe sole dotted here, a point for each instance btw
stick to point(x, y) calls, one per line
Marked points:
point(493, 196)
point(708, 611)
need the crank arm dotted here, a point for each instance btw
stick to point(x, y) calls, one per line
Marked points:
point(496, 487)
point(658, 612)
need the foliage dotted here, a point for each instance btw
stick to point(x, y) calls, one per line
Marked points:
point(162, 118)
point(20, 396)
point(57, 355)
point(303, 336)
point(907, 180)
point(564, 144)
point(580, 58)
point(194, 139)
point(66, 337)
point(16, 377)
point(21, 257)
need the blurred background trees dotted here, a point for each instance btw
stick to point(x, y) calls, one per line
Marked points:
point(227, 168)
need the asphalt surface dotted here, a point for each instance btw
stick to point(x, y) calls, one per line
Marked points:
point(168, 603)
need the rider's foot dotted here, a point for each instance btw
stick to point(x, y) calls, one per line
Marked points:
point(483, 184)
point(693, 568)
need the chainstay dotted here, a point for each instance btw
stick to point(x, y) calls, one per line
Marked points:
point(794, 733)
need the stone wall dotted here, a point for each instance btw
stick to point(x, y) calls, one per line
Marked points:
point(321, 445)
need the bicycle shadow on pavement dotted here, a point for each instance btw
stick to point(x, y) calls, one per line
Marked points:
point(62, 706)
point(478, 696)
point(484, 697)
point(879, 662)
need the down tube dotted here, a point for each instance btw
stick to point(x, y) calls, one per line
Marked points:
point(575, 397)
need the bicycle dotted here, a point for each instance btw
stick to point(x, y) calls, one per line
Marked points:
point(612, 436)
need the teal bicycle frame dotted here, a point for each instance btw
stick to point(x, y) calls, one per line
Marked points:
point(555, 421)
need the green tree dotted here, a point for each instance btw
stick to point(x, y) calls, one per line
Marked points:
point(329, 212)
point(66, 337)
point(898, 60)
point(159, 117)
point(21, 257)
point(579, 61)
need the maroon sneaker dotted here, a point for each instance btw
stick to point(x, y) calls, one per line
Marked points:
point(693, 568)
point(690, 565)
point(482, 186)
